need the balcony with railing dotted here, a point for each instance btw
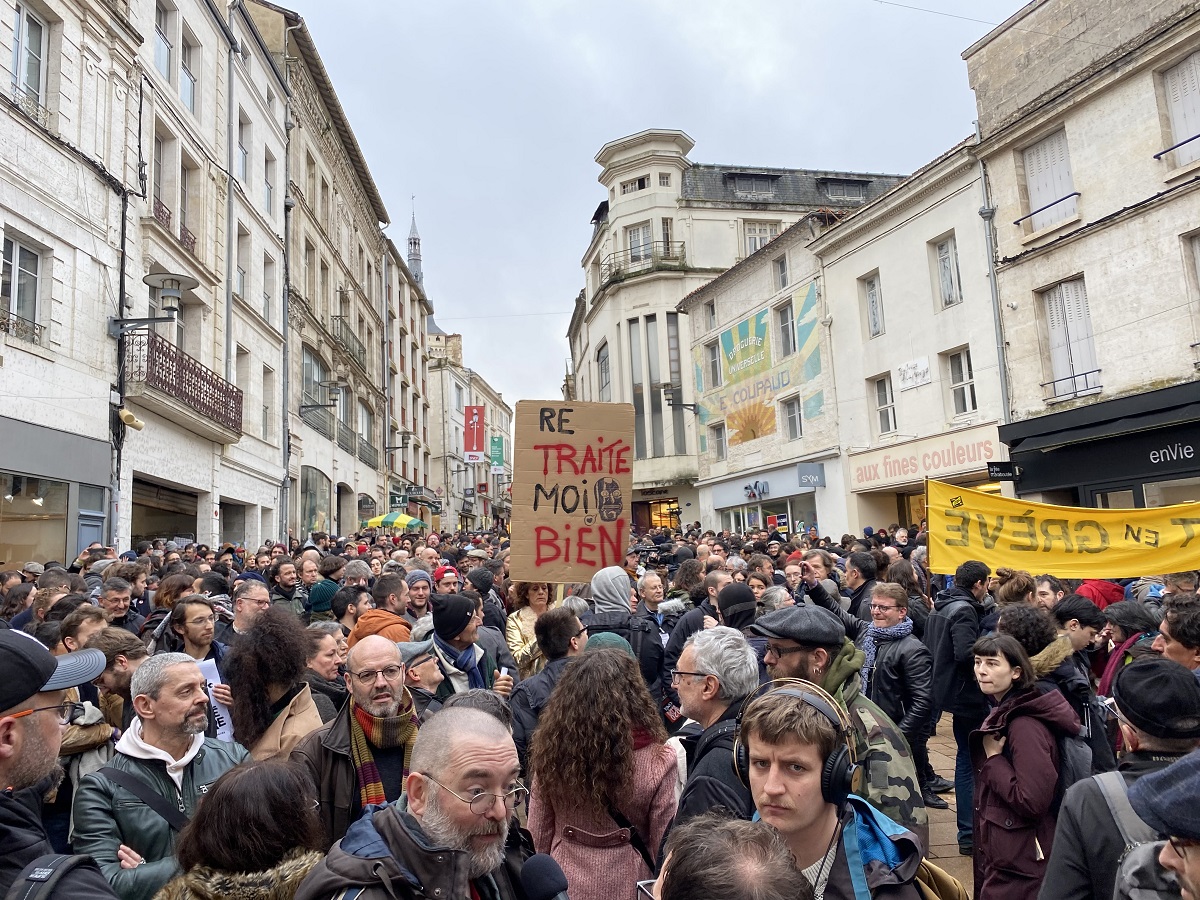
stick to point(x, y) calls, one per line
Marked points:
point(651, 257)
point(166, 380)
point(30, 104)
point(367, 453)
point(1069, 386)
point(187, 239)
point(339, 327)
point(345, 437)
point(20, 328)
point(317, 416)
point(162, 214)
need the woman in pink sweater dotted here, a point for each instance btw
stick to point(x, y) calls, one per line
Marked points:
point(604, 781)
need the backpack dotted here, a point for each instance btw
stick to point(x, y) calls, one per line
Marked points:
point(1139, 875)
point(38, 880)
point(1074, 758)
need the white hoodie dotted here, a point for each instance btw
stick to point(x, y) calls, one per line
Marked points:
point(132, 743)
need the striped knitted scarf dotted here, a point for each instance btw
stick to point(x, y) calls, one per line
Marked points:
point(368, 731)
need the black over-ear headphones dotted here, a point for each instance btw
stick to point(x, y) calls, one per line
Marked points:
point(841, 775)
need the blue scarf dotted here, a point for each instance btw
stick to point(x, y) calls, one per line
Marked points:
point(874, 633)
point(465, 662)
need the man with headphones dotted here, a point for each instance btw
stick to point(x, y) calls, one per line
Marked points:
point(810, 643)
point(795, 751)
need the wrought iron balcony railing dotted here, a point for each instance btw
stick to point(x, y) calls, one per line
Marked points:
point(319, 417)
point(645, 258)
point(342, 333)
point(162, 214)
point(187, 239)
point(30, 104)
point(367, 453)
point(154, 361)
point(346, 437)
point(19, 328)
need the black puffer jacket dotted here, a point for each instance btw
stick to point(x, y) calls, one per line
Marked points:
point(711, 780)
point(950, 632)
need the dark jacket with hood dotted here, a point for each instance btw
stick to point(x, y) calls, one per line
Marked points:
point(1087, 842)
point(1058, 667)
point(950, 632)
point(24, 839)
point(890, 855)
point(388, 855)
point(711, 779)
point(1014, 815)
point(610, 599)
point(860, 599)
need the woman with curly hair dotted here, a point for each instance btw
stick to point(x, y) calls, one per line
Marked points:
point(256, 836)
point(530, 600)
point(272, 705)
point(688, 576)
point(604, 784)
point(156, 633)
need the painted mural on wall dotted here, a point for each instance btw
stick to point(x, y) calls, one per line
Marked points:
point(753, 378)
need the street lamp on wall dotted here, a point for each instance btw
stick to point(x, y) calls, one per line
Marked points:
point(674, 397)
point(170, 292)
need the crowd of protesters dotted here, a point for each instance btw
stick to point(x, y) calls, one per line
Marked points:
point(393, 715)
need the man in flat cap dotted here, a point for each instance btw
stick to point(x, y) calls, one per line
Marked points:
point(810, 643)
point(32, 712)
point(1156, 702)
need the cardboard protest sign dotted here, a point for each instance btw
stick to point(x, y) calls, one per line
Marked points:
point(572, 489)
point(1070, 541)
point(208, 668)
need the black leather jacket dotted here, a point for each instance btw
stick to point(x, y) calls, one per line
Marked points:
point(902, 683)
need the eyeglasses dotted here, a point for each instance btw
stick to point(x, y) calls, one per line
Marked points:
point(1109, 705)
point(677, 673)
point(781, 652)
point(583, 630)
point(367, 676)
point(207, 620)
point(482, 802)
point(1180, 844)
point(879, 607)
point(68, 712)
point(646, 889)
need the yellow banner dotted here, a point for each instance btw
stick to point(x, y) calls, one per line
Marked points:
point(1067, 541)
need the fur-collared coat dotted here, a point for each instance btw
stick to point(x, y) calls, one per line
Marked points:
point(277, 883)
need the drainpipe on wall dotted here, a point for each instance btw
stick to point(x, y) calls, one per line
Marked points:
point(230, 227)
point(285, 485)
point(987, 212)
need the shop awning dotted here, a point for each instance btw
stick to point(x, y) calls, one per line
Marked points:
point(1109, 429)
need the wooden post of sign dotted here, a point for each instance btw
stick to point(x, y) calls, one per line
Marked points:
point(572, 489)
point(928, 543)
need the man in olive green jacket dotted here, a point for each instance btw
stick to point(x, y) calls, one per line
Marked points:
point(166, 750)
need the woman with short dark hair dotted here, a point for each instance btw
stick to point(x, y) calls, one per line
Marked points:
point(256, 836)
point(1015, 816)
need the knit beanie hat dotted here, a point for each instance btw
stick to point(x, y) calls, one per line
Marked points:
point(418, 575)
point(481, 579)
point(451, 614)
point(321, 595)
point(606, 640)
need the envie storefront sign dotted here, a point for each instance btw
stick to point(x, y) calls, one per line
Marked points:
point(957, 453)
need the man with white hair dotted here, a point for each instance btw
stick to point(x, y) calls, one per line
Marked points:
point(448, 836)
point(716, 672)
point(163, 762)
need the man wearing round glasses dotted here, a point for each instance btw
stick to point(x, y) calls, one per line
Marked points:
point(448, 836)
point(32, 712)
point(362, 755)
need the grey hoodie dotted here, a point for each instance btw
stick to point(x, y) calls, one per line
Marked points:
point(610, 590)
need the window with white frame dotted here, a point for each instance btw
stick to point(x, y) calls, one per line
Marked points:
point(667, 228)
point(949, 288)
point(1182, 83)
point(1072, 346)
point(268, 401)
point(313, 373)
point(712, 354)
point(635, 185)
point(664, 179)
point(366, 422)
point(710, 315)
point(962, 381)
point(716, 440)
point(604, 374)
point(1048, 180)
point(873, 297)
point(20, 282)
point(458, 397)
point(791, 419)
point(269, 183)
point(159, 157)
point(268, 285)
point(759, 234)
point(780, 267)
point(640, 241)
point(30, 38)
point(786, 324)
point(885, 404)
point(189, 64)
point(162, 40)
point(243, 151)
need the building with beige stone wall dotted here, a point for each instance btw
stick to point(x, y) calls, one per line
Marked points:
point(1089, 115)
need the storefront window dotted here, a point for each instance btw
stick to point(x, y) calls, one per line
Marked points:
point(33, 520)
point(1168, 493)
point(314, 500)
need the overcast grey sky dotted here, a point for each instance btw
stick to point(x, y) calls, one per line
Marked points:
point(491, 114)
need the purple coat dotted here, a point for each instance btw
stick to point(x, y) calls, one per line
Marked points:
point(1015, 815)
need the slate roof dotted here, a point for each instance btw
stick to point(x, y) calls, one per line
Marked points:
point(790, 187)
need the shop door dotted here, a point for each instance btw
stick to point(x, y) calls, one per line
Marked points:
point(1122, 496)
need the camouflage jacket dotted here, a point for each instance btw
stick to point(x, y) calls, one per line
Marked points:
point(889, 781)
